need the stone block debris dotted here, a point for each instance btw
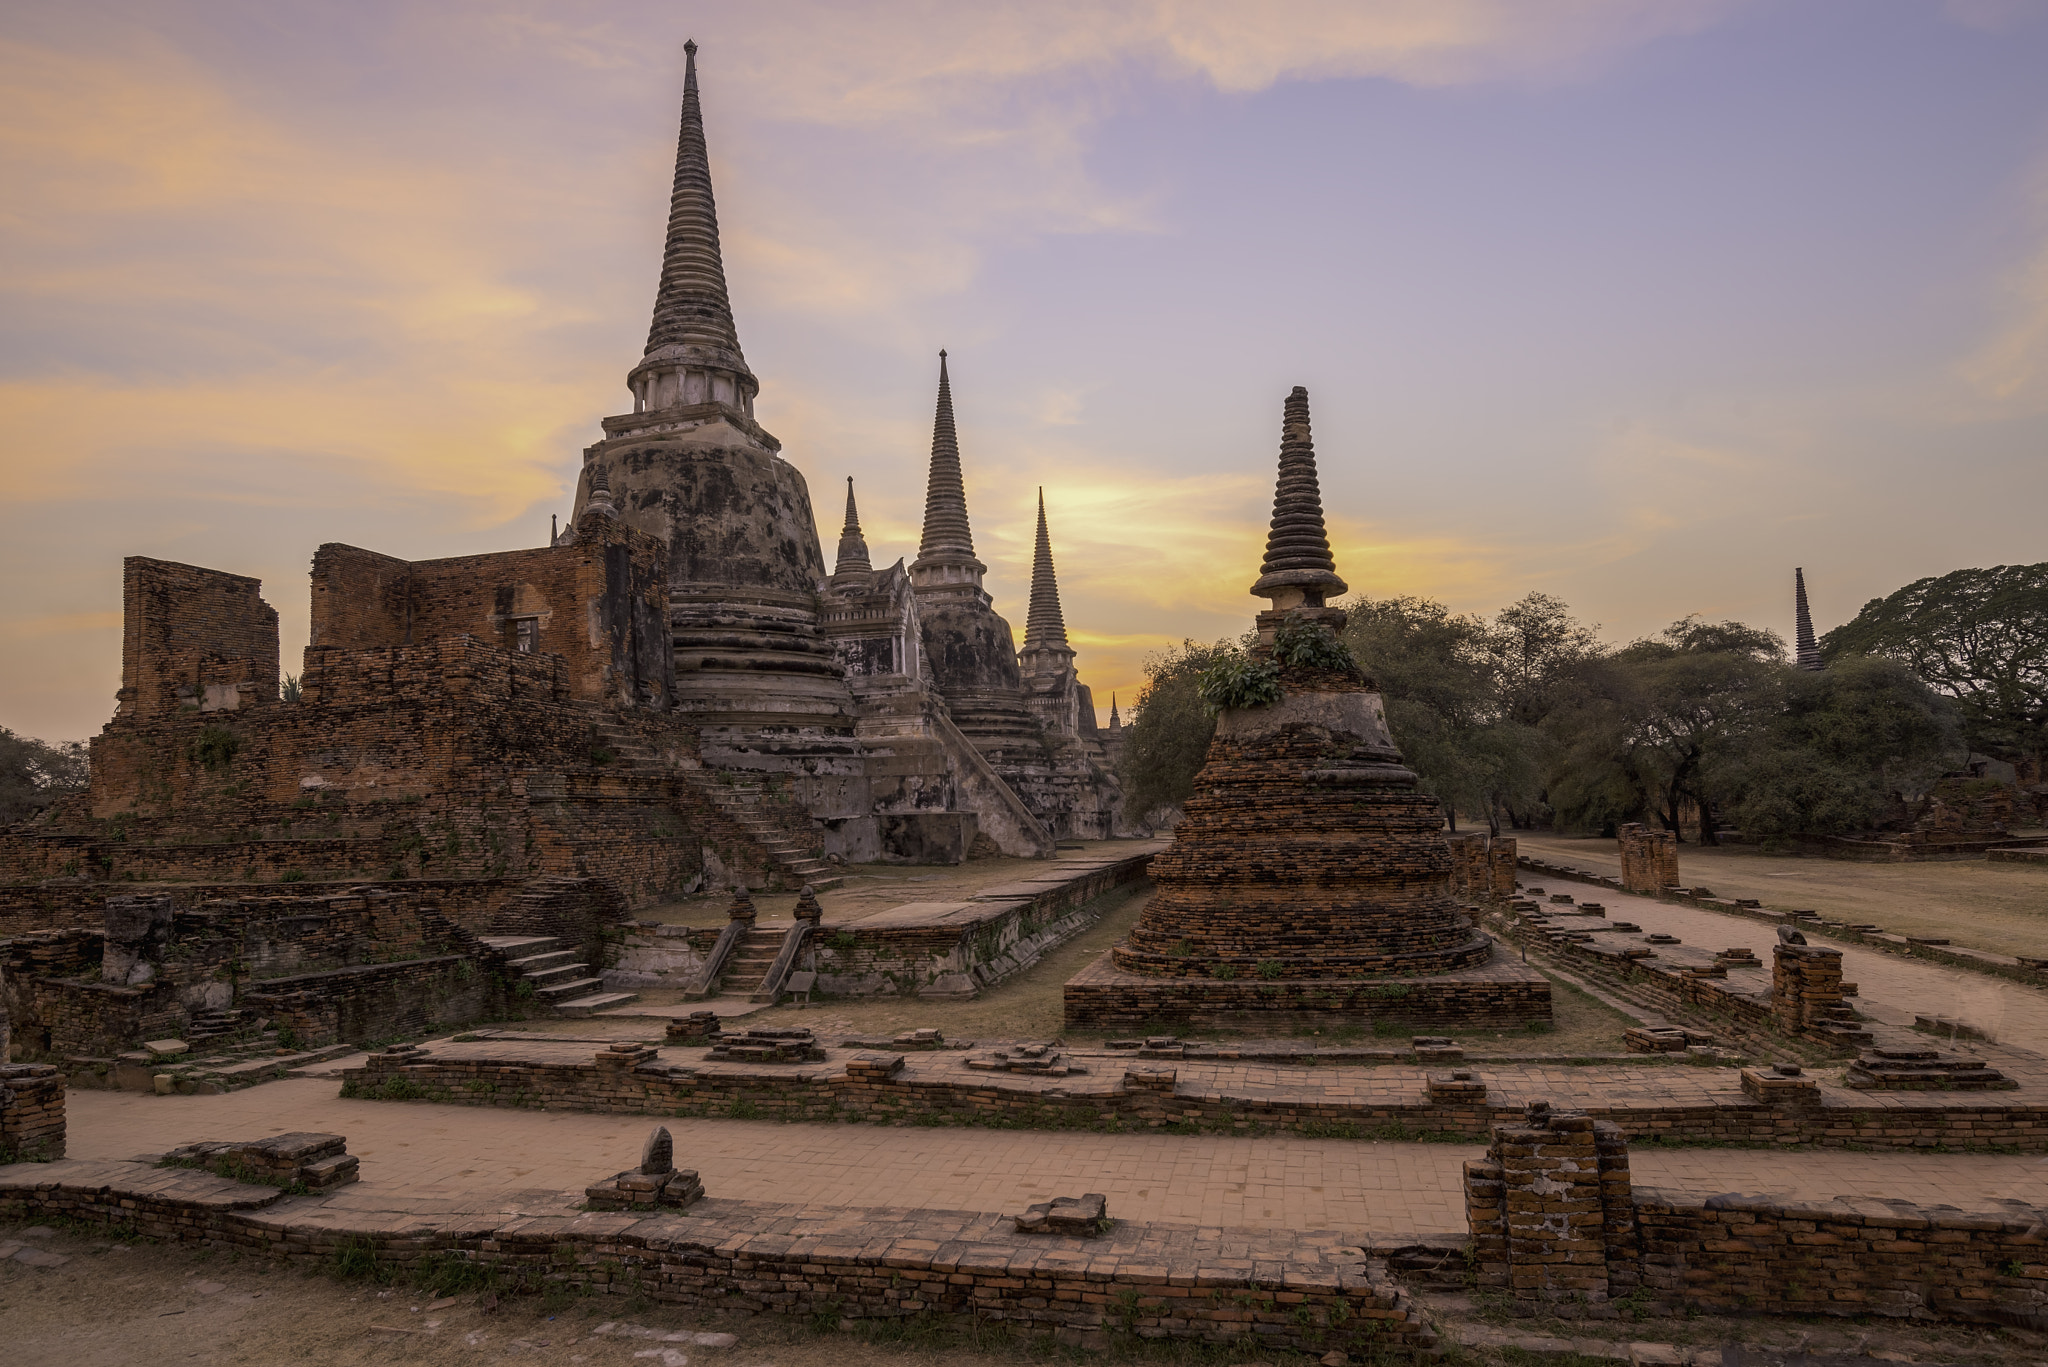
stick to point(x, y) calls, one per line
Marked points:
point(767, 1046)
point(696, 1028)
point(1457, 1086)
point(1085, 1215)
point(320, 1162)
point(32, 1125)
point(1781, 1084)
point(1042, 1060)
point(656, 1184)
point(1922, 1070)
point(1152, 1046)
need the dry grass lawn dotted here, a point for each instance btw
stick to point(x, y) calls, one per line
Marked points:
point(1998, 907)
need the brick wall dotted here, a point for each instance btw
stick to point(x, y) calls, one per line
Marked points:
point(1649, 859)
point(1272, 1292)
point(600, 604)
point(31, 1112)
point(193, 639)
point(1554, 1219)
point(508, 1079)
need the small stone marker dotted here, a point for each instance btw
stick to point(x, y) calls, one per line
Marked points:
point(658, 1155)
point(1082, 1215)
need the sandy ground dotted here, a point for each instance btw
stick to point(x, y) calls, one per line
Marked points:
point(1999, 907)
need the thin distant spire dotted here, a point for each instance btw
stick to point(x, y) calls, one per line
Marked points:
point(1046, 625)
point(1116, 723)
point(853, 547)
point(946, 533)
point(691, 308)
point(1297, 546)
point(1806, 651)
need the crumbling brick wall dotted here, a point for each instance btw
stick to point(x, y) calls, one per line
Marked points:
point(31, 1112)
point(601, 604)
point(193, 639)
point(1552, 1210)
point(1649, 859)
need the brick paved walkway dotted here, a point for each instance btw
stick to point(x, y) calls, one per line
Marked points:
point(438, 1159)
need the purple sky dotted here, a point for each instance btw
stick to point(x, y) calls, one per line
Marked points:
point(1636, 302)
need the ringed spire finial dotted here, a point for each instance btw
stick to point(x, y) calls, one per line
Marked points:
point(1298, 569)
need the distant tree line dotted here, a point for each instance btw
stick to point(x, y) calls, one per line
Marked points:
point(33, 774)
point(1525, 719)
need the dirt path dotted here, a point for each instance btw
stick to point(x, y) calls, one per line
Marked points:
point(1999, 907)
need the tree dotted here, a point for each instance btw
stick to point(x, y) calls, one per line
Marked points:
point(33, 774)
point(1169, 732)
point(1441, 679)
point(1639, 736)
point(1538, 650)
point(1849, 745)
point(1979, 636)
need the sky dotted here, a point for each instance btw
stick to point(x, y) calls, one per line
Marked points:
point(1639, 303)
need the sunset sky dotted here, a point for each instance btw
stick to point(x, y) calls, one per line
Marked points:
point(1637, 302)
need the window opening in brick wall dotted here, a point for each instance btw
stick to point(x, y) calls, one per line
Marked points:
point(526, 634)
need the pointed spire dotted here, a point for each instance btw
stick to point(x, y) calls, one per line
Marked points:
point(853, 547)
point(1046, 625)
point(946, 533)
point(1806, 650)
point(692, 313)
point(600, 500)
point(1298, 569)
point(1116, 723)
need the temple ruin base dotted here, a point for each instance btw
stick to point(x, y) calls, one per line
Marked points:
point(1502, 993)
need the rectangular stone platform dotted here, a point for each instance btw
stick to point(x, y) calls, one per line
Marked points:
point(1503, 993)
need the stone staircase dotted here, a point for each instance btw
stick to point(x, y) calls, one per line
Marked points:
point(561, 982)
point(751, 959)
point(211, 1024)
point(739, 798)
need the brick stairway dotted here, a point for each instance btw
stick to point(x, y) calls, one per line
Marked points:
point(738, 797)
point(735, 795)
point(561, 981)
point(751, 959)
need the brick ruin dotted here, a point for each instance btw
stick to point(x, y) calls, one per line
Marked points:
point(1557, 1224)
point(1649, 859)
point(1310, 877)
point(671, 694)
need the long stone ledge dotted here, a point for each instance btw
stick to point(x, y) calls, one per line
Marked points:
point(1311, 1291)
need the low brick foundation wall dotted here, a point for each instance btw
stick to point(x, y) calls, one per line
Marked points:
point(1270, 1291)
point(31, 1112)
point(876, 1088)
point(1557, 1223)
point(1761, 1254)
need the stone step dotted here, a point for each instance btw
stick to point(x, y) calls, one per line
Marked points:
point(583, 1006)
point(557, 993)
point(544, 978)
point(517, 945)
point(554, 958)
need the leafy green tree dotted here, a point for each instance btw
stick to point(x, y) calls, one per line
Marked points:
point(1440, 675)
point(33, 774)
point(1979, 636)
point(1170, 728)
point(1638, 736)
point(1847, 746)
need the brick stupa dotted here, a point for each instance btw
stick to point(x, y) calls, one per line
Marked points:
point(1309, 879)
